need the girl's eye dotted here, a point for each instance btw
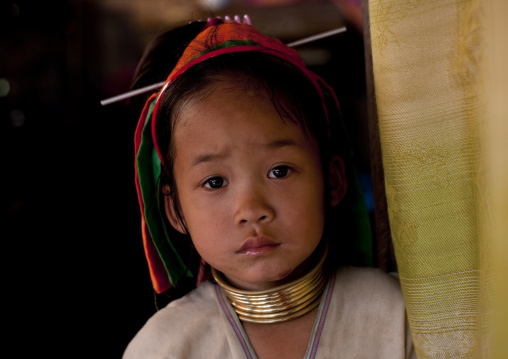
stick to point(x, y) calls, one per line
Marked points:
point(215, 183)
point(279, 172)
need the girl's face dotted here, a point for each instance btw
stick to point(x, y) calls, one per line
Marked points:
point(250, 186)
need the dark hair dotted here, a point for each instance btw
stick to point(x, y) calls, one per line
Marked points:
point(160, 57)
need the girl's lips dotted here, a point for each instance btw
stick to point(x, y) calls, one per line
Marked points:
point(257, 245)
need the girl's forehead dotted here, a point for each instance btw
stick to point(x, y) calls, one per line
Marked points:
point(230, 100)
point(235, 116)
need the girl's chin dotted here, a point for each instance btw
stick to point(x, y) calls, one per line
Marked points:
point(257, 282)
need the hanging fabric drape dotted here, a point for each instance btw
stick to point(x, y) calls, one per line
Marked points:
point(443, 172)
point(497, 179)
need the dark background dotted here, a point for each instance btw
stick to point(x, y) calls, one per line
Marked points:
point(75, 279)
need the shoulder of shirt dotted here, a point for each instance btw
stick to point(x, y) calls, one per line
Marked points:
point(197, 299)
point(370, 284)
point(181, 319)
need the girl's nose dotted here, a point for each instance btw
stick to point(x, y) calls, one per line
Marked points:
point(252, 207)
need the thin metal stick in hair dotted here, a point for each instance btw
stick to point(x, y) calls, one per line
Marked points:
point(158, 85)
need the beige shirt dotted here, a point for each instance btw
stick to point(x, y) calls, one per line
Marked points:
point(361, 315)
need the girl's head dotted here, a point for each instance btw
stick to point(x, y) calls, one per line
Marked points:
point(250, 165)
point(258, 77)
point(243, 167)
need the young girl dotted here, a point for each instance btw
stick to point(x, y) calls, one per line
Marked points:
point(247, 191)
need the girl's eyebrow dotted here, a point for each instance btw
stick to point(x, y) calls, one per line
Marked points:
point(209, 157)
point(284, 143)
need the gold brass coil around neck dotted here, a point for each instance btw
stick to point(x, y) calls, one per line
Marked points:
point(279, 304)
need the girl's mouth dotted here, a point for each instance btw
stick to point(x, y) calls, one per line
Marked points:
point(257, 246)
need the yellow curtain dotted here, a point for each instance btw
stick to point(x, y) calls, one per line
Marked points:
point(443, 143)
point(497, 180)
